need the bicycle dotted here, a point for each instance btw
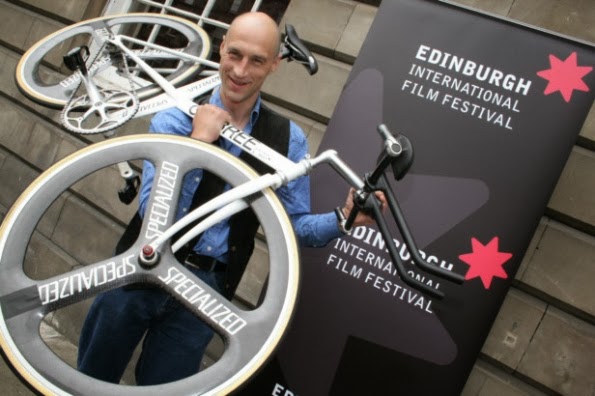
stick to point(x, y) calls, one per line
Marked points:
point(250, 336)
point(128, 91)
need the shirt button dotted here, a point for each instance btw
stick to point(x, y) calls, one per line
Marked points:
point(184, 210)
point(209, 248)
point(197, 179)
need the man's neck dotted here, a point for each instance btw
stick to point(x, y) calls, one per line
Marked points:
point(239, 111)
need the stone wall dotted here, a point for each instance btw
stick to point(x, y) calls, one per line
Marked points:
point(542, 341)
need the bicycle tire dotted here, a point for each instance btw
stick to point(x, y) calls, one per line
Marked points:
point(28, 74)
point(22, 308)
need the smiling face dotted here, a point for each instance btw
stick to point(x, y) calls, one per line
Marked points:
point(249, 52)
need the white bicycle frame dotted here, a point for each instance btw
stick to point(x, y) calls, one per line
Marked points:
point(232, 201)
point(286, 170)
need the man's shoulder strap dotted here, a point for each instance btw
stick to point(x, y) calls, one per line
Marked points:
point(273, 130)
point(270, 128)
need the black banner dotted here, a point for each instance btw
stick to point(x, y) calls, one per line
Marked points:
point(493, 109)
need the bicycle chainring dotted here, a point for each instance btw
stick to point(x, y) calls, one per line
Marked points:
point(114, 107)
point(113, 110)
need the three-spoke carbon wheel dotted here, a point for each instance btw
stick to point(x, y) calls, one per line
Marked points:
point(250, 336)
point(54, 91)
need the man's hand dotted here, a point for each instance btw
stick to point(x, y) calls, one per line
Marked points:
point(208, 122)
point(362, 218)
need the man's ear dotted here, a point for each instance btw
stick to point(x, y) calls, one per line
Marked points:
point(222, 45)
point(276, 63)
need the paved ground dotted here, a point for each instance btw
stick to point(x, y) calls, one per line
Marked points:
point(10, 385)
point(10, 382)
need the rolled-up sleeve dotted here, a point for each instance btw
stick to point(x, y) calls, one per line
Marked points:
point(312, 230)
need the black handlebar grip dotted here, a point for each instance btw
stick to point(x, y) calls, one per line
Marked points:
point(403, 162)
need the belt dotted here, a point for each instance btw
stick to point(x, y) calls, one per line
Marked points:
point(205, 263)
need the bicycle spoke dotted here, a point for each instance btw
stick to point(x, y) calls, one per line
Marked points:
point(199, 298)
point(161, 205)
point(65, 289)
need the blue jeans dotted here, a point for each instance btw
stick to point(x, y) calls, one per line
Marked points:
point(175, 339)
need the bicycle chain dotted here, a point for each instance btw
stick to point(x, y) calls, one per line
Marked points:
point(130, 80)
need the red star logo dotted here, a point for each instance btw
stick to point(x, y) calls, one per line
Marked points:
point(565, 76)
point(485, 262)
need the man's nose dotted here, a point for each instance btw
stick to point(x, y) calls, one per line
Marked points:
point(241, 68)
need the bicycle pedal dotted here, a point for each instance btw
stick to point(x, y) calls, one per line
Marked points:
point(75, 59)
point(128, 193)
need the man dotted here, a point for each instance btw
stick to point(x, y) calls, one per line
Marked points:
point(176, 339)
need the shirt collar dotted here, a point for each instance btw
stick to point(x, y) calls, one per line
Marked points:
point(216, 100)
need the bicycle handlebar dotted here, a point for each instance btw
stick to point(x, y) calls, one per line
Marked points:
point(398, 154)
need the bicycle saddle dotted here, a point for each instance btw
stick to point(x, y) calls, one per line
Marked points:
point(297, 50)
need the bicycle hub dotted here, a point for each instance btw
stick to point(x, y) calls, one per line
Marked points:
point(148, 257)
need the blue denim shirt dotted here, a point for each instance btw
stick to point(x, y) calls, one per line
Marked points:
point(311, 229)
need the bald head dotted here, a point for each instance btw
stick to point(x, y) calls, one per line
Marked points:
point(249, 53)
point(260, 27)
